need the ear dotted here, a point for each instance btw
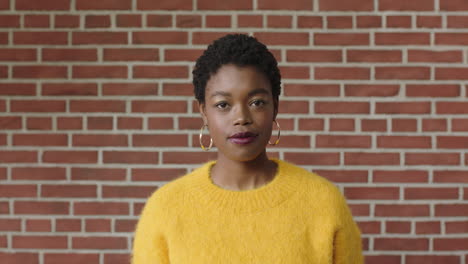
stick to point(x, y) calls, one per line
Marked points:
point(202, 109)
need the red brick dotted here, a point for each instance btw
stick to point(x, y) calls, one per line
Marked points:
point(84, 38)
point(182, 54)
point(250, 21)
point(38, 225)
point(130, 123)
point(402, 5)
point(69, 89)
point(404, 210)
point(97, 21)
point(371, 158)
point(97, 174)
point(295, 107)
point(218, 21)
point(402, 38)
point(71, 258)
point(187, 157)
point(279, 21)
point(67, 21)
point(161, 174)
point(311, 90)
point(40, 72)
point(114, 258)
point(10, 225)
point(68, 225)
point(309, 22)
point(456, 227)
point(19, 257)
point(429, 21)
point(342, 124)
point(225, 5)
point(342, 107)
point(40, 242)
point(40, 38)
point(451, 210)
point(98, 225)
point(123, 192)
point(433, 259)
point(41, 208)
point(124, 225)
point(104, 140)
point(428, 227)
point(447, 176)
point(451, 244)
point(453, 5)
point(37, 21)
point(459, 124)
point(432, 159)
point(101, 71)
point(419, 142)
point(435, 56)
point(404, 124)
point(452, 107)
point(397, 227)
point(159, 106)
point(341, 39)
point(42, 5)
point(164, 5)
point(188, 21)
point(451, 38)
point(69, 123)
point(342, 141)
point(63, 191)
point(372, 193)
point(99, 242)
point(451, 73)
point(90, 106)
point(403, 107)
point(130, 89)
point(104, 5)
point(452, 142)
point(430, 193)
point(337, 5)
point(313, 158)
point(100, 123)
point(382, 259)
point(38, 173)
point(409, 176)
point(159, 20)
point(314, 55)
point(407, 244)
point(131, 157)
point(101, 208)
point(399, 21)
point(374, 125)
point(161, 37)
point(432, 90)
point(131, 54)
point(37, 106)
point(160, 71)
point(13, 89)
point(172, 140)
point(369, 21)
point(342, 73)
point(53, 156)
point(69, 54)
point(302, 5)
point(434, 124)
point(40, 139)
point(457, 21)
point(339, 22)
point(371, 90)
point(348, 176)
point(17, 190)
point(129, 20)
point(283, 38)
point(4, 37)
point(295, 72)
point(4, 4)
point(9, 21)
point(374, 56)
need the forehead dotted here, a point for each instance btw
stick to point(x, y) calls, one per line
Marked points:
point(237, 79)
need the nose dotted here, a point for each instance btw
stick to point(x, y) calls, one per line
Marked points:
point(242, 116)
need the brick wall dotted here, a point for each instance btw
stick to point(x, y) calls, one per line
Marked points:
point(96, 111)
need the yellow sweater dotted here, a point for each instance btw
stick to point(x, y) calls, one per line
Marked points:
point(298, 217)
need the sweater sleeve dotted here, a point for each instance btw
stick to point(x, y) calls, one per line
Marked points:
point(347, 240)
point(150, 243)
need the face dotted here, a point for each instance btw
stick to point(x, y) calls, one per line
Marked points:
point(239, 110)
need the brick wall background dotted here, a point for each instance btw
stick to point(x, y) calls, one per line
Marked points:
point(96, 111)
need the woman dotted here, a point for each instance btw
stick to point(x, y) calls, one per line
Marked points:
point(244, 207)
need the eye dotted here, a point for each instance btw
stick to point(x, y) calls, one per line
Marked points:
point(258, 103)
point(221, 105)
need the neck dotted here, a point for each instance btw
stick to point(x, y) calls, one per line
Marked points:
point(243, 175)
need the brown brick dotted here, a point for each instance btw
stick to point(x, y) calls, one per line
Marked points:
point(342, 39)
point(337, 5)
point(42, 5)
point(104, 5)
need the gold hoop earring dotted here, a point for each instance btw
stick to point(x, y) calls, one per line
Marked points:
point(279, 134)
point(201, 135)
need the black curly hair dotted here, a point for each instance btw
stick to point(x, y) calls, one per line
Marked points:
point(240, 50)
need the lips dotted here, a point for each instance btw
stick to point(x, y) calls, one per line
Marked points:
point(243, 138)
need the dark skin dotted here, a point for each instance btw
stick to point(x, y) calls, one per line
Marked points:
point(239, 99)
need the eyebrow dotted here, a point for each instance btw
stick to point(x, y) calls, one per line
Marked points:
point(251, 93)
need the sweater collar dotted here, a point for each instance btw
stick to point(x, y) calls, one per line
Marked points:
point(281, 187)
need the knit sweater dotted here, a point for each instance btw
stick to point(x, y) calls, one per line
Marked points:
point(298, 217)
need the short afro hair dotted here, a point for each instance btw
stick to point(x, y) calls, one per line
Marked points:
point(240, 50)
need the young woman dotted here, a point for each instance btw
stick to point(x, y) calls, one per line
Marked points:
point(244, 207)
